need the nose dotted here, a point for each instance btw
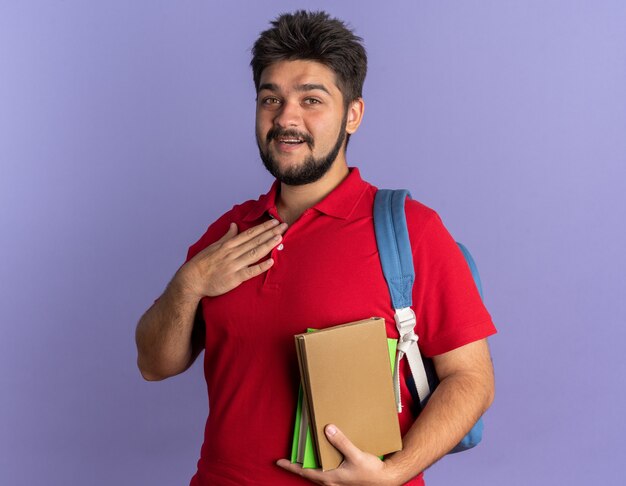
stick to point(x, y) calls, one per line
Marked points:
point(288, 115)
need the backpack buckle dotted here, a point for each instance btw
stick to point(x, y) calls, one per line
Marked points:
point(405, 320)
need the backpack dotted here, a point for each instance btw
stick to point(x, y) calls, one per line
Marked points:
point(392, 239)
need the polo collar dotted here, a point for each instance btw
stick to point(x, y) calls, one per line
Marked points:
point(264, 204)
point(340, 203)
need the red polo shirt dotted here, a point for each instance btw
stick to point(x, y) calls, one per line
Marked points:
point(326, 272)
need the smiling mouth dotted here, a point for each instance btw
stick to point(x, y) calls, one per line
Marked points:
point(290, 140)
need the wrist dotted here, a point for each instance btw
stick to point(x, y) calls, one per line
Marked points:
point(396, 470)
point(181, 286)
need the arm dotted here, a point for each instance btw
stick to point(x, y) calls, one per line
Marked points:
point(465, 391)
point(170, 335)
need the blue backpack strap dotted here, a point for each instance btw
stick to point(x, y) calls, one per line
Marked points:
point(394, 247)
point(396, 258)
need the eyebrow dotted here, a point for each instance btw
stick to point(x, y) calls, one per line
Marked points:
point(299, 88)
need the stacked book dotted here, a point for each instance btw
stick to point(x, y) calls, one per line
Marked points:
point(346, 380)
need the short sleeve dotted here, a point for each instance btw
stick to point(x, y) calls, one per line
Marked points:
point(448, 307)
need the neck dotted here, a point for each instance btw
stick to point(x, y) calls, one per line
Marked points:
point(294, 200)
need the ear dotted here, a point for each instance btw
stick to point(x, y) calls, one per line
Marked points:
point(355, 115)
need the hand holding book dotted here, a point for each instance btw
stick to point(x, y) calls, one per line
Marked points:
point(358, 467)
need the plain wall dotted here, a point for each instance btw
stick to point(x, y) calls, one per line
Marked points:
point(127, 127)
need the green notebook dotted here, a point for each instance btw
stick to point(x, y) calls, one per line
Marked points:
point(302, 439)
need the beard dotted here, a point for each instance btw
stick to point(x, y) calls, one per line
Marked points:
point(311, 169)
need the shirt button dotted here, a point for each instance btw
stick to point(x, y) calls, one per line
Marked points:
point(280, 247)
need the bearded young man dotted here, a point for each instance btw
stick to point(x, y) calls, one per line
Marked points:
point(304, 255)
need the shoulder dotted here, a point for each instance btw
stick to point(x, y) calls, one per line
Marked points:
point(418, 212)
point(422, 221)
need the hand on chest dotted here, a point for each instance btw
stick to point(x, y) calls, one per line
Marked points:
point(323, 275)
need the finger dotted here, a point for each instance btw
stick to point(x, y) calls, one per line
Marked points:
point(253, 270)
point(289, 466)
point(253, 249)
point(255, 231)
point(230, 233)
point(340, 442)
point(253, 252)
point(312, 474)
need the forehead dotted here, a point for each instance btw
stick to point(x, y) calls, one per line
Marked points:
point(287, 75)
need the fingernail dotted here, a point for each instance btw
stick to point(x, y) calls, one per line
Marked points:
point(331, 430)
point(275, 221)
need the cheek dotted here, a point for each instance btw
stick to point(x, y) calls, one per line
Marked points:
point(264, 119)
point(260, 129)
point(324, 130)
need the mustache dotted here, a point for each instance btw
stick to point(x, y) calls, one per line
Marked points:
point(276, 132)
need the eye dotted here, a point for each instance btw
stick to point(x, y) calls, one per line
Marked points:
point(312, 101)
point(270, 100)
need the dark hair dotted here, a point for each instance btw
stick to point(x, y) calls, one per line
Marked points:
point(317, 37)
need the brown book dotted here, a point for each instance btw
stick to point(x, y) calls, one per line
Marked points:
point(347, 381)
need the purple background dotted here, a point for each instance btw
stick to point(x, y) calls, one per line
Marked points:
point(127, 127)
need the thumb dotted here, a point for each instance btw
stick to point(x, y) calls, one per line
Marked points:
point(340, 442)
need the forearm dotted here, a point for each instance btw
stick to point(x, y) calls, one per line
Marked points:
point(453, 408)
point(164, 333)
